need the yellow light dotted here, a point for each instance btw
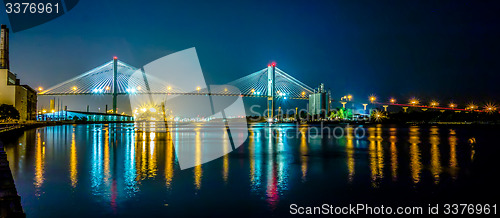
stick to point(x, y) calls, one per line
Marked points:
point(74, 88)
point(138, 88)
point(40, 89)
point(53, 111)
point(169, 87)
point(198, 88)
point(434, 103)
point(349, 97)
point(372, 98)
point(303, 93)
point(414, 101)
point(490, 107)
point(107, 88)
point(393, 100)
point(253, 90)
point(452, 105)
point(143, 109)
point(44, 111)
point(472, 106)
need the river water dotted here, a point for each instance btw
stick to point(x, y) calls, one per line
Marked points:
point(115, 170)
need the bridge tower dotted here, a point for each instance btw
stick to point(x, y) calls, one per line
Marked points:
point(271, 90)
point(115, 83)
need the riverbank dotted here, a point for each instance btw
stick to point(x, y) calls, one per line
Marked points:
point(22, 126)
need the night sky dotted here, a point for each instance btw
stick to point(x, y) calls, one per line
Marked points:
point(427, 49)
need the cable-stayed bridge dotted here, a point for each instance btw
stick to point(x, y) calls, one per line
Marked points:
point(101, 80)
point(118, 78)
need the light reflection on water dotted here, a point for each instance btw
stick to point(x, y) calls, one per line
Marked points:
point(116, 163)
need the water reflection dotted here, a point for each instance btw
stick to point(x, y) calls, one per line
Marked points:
point(73, 161)
point(435, 155)
point(394, 153)
point(303, 153)
point(116, 163)
point(453, 154)
point(197, 169)
point(350, 153)
point(170, 159)
point(39, 164)
point(415, 162)
point(376, 154)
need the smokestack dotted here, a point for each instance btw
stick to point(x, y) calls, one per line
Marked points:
point(4, 48)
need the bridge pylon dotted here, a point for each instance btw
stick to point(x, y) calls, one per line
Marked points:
point(115, 83)
point(271, 90)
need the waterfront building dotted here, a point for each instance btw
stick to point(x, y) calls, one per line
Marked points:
point(22, 97)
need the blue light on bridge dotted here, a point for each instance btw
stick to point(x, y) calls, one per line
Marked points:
point(96, 90)
point(132, 90)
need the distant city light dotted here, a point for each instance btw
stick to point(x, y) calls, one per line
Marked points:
point(372, 98)
point(434, 103)
point(472, 106)
point(490, 107)
point(452, 105)
point(393, 100)
point(414, 101)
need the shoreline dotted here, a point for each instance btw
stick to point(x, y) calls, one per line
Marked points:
point(20, 127)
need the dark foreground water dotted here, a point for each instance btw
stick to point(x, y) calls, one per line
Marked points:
point(112, 170)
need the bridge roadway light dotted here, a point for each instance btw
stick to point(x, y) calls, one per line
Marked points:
point(434, 103)
point(40, 88)
point(74, 88)
point(392, 100)
point(107, 88)
point(452, 105)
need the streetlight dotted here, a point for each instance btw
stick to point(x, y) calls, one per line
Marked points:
point(74, 88)
point(434, 103)
point(414, 101)
point(392, 100)
point(372, 98)
point(472, 106)
point(452, 105)
point(40, 89)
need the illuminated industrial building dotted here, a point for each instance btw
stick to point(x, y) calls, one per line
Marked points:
point(22, 97)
